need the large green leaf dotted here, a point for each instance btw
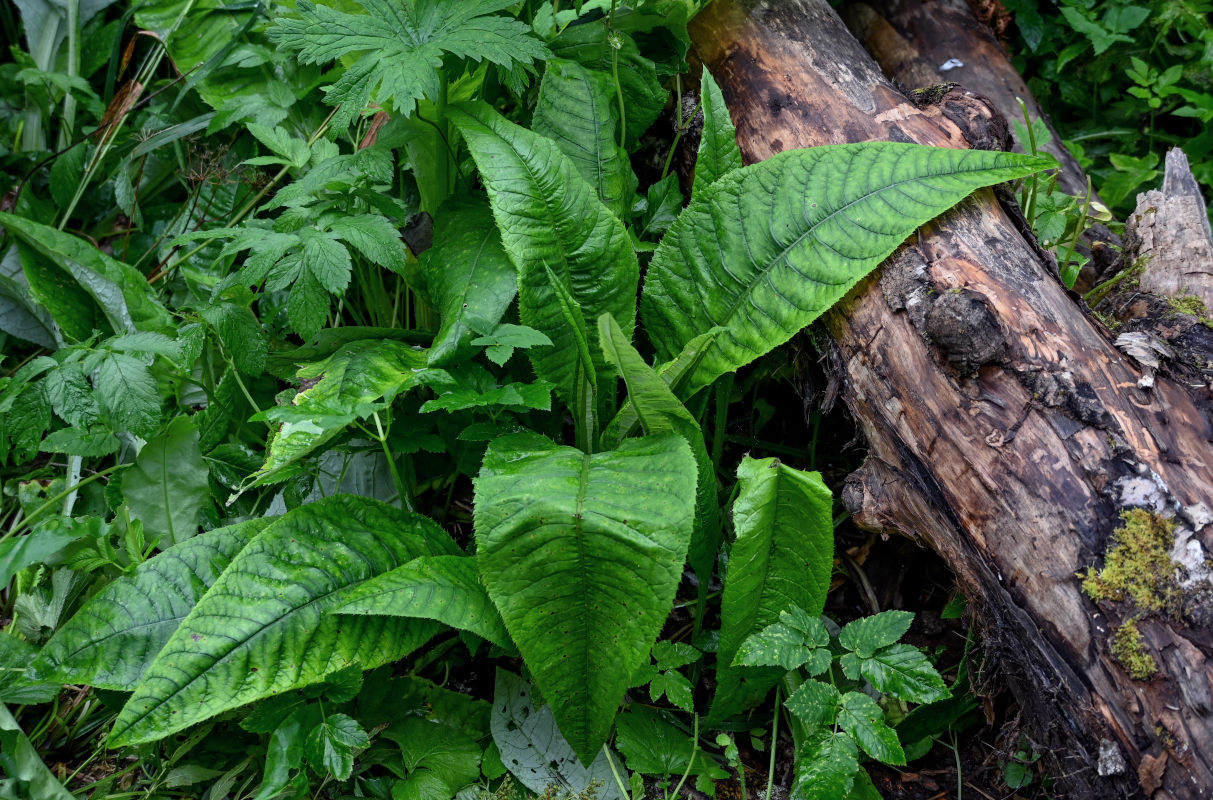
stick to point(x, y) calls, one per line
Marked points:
point(577, 110)
point(442, 588)
point(643, 94)
point(120, 291)
point(25, 774)
point(264, 627)
point(581, 555)
point(362, 377)
point(767, 248)
point(114, 637)
point(718, 151)
point(659, 411)
point(469, 276)
point(782, 558)
point(550, 217)
point(168, 485)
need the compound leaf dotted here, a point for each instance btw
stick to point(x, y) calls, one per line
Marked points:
point(860, 716)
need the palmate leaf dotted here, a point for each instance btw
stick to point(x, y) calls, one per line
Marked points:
point(581, 555)
point(768, 248)
point(264, 627)
point(551, 219)
point(782, 559)
point(114, 637)
point(402, 44)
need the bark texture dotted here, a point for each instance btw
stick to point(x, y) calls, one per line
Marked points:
point(1003, 427)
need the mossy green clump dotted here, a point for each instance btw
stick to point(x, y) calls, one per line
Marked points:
point(1130, 650)
point(1138, 567)
point(1193, 305)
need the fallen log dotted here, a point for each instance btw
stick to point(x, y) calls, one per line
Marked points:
point(1004, 429)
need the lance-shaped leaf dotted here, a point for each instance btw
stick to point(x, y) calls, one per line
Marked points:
point(584, 400)
point(442, 588)
point(577, 110)
point(582, 555)
point(264, 626)
point(470, 278)
point(659, 411)
point(767, 248)
point(782, 558)
point(551, 217)
point(114, 637)
point(718, 151)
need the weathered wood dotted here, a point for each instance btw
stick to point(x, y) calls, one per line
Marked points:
point(1003, 428)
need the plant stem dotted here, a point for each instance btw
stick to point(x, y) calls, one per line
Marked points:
point(402, 489)
point(25, 523)
point(618, 780)
point(691, 761)
point(1078, 229)
point(774, 744)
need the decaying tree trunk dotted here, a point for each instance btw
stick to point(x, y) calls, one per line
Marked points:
point(1003, 427)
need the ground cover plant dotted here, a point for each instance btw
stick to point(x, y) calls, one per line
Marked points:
point(365, 409)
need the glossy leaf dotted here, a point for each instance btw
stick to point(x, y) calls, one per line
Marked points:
point(782, 558)
point(442, 588)
point(469, 276)
point(168, 484)
point(115, 636)
point(582, 554)
point(718, 151)
point(577, 110)
point(902, 671)
point(769, 247)
point(264, 626)
point(825, 767)
point(360, 378)
point(121, 292)
point(447, 752)
point(532, 747)
point(551, 219)
point(866, 635)
point(860, 716)
point(330, 746)
point(653, 746)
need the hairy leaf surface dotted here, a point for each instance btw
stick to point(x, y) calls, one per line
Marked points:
point(582, 555)
point(550, 218)
point(767, 248)
point(782, 558)
point(114, 637)
point(264, 627)
point(400, 46)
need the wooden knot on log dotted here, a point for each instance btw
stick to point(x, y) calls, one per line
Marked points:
point(961, 324)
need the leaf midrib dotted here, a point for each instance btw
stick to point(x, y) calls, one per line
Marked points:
point(783, 254)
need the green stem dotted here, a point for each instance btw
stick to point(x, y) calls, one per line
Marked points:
point(38, 512)
point(691, 761)
point(402, 488)
point(774, 744)
point(1079, 227)
point(623, 790)
point(73, 69)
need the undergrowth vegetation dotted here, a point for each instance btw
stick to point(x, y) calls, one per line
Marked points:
point(363, 416)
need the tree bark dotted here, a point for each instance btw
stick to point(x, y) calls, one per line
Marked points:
point(1003, 427)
